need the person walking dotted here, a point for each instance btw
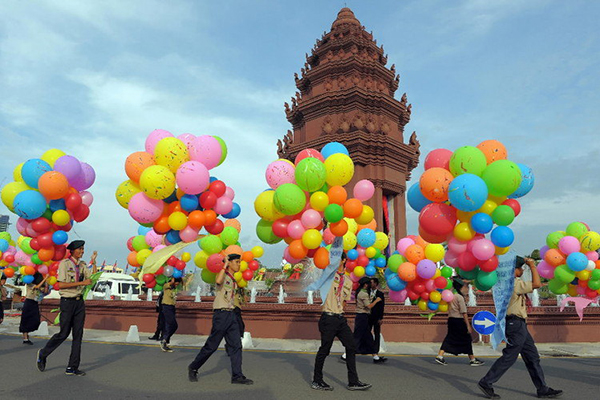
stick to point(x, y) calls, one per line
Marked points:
point(458, 340)
point(73, 277)
point(169, 314)
point(30, 315)
point(376, 315)
point(225, 325)
point(3, 296)
point(239, 301)
point(519, 340)
point(333, 324)
point(160, 320)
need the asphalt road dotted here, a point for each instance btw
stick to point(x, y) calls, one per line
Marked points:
point(116, 371)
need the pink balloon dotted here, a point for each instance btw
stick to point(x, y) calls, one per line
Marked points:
point(207, 150)
point(361, 250)
point(467, 261)
point(545, 270)
point(43, 269)
point(311, 219)
point(86, 198)
point(592, 255)
point(451, 259)
point(154, 137)
point(296, 229)
point(364, 190)
point(29, 231)
point(328, 237)
point(22, 225)
point(187, 139)
point(288, 257)
point(353, 277)
point(457, 246)
point(192, 177)
point(188, 234)
point(403, 244)
point(280, 172)
point(11, 250)
point(580, 290)
point(438, 158)
point(144, 209)
point(447, 295)
point(472, 242)
point(569, 244)
point(153, 239)
point(159, 247)
point(398, 296)
point(430, 285)
point(483, 249)
point(21, 257)
point(223, 206)
point(229, 192)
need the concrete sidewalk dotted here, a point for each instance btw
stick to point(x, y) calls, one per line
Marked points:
point(10, 326)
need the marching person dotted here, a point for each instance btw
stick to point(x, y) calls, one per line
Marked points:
point(239, 301)
point(225, 325)
point(333, 324)
point(30, 316)
point(168, 310)
point(73, 277)
point(519, 340)
point(3, 296)
point(458, 340)
point(160, 320)
point(376, 316)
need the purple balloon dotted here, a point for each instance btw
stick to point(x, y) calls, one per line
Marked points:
point(426, 269)
point(70, 167)
point(543, 251)
point(398, 296)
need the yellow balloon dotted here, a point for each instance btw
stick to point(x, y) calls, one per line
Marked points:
point(125, 191)
point(496, 199)
point(10, 191)
point(171, 152)
point(311, 239)
point(17, 177)
point(258, 251)
point(443, 308)
point(359, 271)
point(366, 216)
point(437, 274)
point(238, 276)
point(264, 205)
point(583, 275)
point(287, 161)
point(488, 207)
point(242, 283)
point(52, 155)
point(381, 241)
point(142, 255)
point(422, 304)
point(572, 290)
point(52, 280)
point(185, 257)
point(590, 241)
point(435, 252)
point(243, 266)
point(319, 201)
point(435, 296)
point(464, 216)
point(340, 169)
point(200, 259)
point(370, 252)
point(178, 220)
point(501, 250)
point(352, 225)
point(349, 241)
point(158, 182)
point(61, 217)
point(3, 263)
point(463, 231)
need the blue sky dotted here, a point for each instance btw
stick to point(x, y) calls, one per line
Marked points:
point(94, 78)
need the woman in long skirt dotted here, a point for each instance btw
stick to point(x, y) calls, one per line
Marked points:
point(30, 316)
point(458, 339)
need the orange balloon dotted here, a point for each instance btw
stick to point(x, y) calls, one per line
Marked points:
point(161, 226)
point(136, 163)
point(493, 150)
point(29, 270)
point(210, 217)
point(339, 228)
point(407, 271)
point(288, 239)
point(337, 195)
point(53, 185)
point(132, 259)
point(247, 256)
point(233, 249)
point(431, 238)
point(9, 272)
point(234, 223)
point(46, 254)
point(353, 208)
point(414, 253)
point(297, 249)
point(434, 184)
point(321, 258)
point(175, 207)
point(554, 257)
point(196, 219)
point(370, 225)
point(421, 242)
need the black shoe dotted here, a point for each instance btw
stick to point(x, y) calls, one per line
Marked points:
point(242, 380)
point(550, 394)
point(359, 386)
point(380, 360)
point(29, 342)
point(487, 391)
point(153, 337)
point(320, 386)
point(343, 359)
point(74, 371)
point(192, 375)
point(476, 362)
point(441, 360)
point(165, 347)
point(41, 362)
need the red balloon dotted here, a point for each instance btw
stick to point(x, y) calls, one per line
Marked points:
point(130, 244)
point(215, 263)
point(429, 238)
point(60, 251)
point(306, 153)
point(9, 258)
point(440, 282)
point(311, 252)
point(438, 158)
point(216, 228)
point(218, 188)
point(151, 284)
point(171, 261)
point(148, 278)
point(438, 219)
point(425, 295)
point(418, 288)
point(253, 265)
point(34, 244)
point(180, 265)
point(81, 213)
point(247, 274)
point(514, 204)
point(73, 201)
point(412, 295)
point(467, 261)
point(160, 271)
point(41, 225)
point(489, 265)
point(362, 260)
point(208, 200)
point(280, 228)
point(45, 241)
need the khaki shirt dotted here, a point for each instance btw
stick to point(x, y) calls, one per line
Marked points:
point(458, 307)
point(32, 292)
point(518, 301)
point(66, 274)
point(362, 302)
point(240, 298)
point(338, 294)
point(169, 296)
point(225, 296)
point(3, 293)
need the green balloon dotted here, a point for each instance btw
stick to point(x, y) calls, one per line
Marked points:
point(211, 244)
point(47, 214)
point(230, 236)
point(160, 280)
point(36, 259)
point(139, 243)
point(26, 247)
point(5, 236)
point(148, 225)
point(264, 231)
point(334, 213)
point(577, 229)
point(485, 280)
point(468, 160)
point(157, 288)
point(324, 188)
point(564, 274)
point(594, 284)
point(553, 239)
point(503, 215)
point(449, 285)
point(310, 174)
point(394, 262)
point(469, 275)
point(207, 276)
point(595, 275)
point(289, 199)
point(223, 149)
point(557, 286)
point(502, 177)
point(446, 272)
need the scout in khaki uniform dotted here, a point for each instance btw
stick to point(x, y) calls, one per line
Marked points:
point(519, 340)
point(225, 325)
point(333, 324)
point(73, 277)
point(168, 309)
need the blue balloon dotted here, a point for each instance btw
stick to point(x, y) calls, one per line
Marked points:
point(189, 202)
point(366, 237)
point(415, 198)
point(527, 182)
point(502, 236)
point(56, 205)
point(3, 245)
point(173, 237)
point(177, 274)
point(395, 283)
point(352, 254)
point(60, 237)
point(432, 306)
point(482, 223)
point(29, 204)
point(467, 192)
point(370, 270)
point(212, 179)
point(142, 230)
point(334, 148)
point(371, 263)
point(387, 272)
point(32, 171)
point(234, 213)
point(27, 279)
point(577, 261)
point(380, 262)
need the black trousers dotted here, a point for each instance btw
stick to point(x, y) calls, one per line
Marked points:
point(72, 318)
point(519, 341)
point(330, 328)
point(170, 321)
point(224, 325)
point(238, 315)
point(160, 323)
point(375, 327)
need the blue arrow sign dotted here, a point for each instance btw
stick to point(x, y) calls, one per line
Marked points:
point(483, 322)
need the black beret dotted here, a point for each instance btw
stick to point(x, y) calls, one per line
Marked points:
point(75, 244)
point(232, 257)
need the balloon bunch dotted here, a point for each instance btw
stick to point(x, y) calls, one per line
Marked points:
point(368, 256)
point(142, 245)
point(170, 188)
point(306, 195)
point(49, 194)
point(174, 267)
point(412, 271)
point(461, 196)
point(570, 261)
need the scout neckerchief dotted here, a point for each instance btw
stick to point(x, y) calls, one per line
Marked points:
point(76, 268)
point(338, 291)
point(233, 289)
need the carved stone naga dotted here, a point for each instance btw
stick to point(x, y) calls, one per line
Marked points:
point(284, 147)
